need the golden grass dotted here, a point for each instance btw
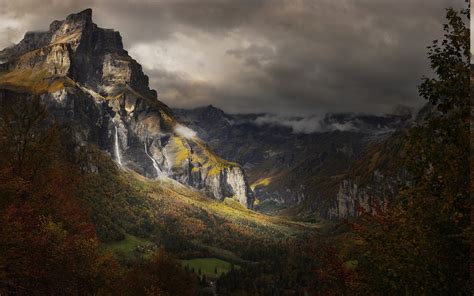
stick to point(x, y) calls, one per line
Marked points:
point(211, 160)
point(179, 151)
point(68, 38)
point(237, 217)
point(261, 182)
point(167, 119)
point(33, 81)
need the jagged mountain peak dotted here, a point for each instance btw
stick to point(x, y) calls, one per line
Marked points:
point(209, 116)
point(210, 112)
point(90, 82)
point(80, 50)
point(57, 32)
point(80, 19)
point(85, 15)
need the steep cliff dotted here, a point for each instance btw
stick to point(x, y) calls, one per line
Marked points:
point(372, 182)
point(92, 85)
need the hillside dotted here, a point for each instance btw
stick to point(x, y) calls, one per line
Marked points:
point(177, 217)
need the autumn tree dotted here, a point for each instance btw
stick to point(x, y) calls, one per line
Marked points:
point(160, 275)
point(420, 245)
point(48, 245)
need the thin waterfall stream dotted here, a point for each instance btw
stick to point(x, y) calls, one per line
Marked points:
point(117, 148)
point(155, 164)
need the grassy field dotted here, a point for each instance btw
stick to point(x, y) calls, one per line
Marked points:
point(219, 253)
point(127, 247)
point(269, 207)
point(210, 267)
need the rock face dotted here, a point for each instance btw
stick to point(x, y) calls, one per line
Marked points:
point(91, 84)
point(373, 181)
point(352, 199)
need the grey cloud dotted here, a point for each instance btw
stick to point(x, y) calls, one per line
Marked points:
point(33, 15)
point(293, 56)
point(145, 21)
point(178, 89)
point(254, 54)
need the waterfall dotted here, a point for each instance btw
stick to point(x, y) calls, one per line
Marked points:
point(155, 164)
point(117, 148)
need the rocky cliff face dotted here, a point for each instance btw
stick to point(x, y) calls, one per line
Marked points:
point(353, 199)
point(91, 84)
point(373, 181)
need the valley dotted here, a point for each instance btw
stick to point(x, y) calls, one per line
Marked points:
point(205, 234)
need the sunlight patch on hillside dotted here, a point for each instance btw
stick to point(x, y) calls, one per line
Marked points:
point(261, 182)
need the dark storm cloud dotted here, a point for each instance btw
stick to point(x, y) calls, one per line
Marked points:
point(291, 57)
point(180, 88)
point(159, 19)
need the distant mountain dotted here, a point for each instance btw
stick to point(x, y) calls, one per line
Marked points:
point(293, 162)
point(91, 85)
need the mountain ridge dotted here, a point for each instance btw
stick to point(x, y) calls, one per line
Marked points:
point(306, 172)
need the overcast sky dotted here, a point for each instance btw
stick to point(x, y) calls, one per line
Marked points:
point(289, 57)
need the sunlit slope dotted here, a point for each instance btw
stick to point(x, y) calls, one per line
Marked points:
point(175, 216)
point(197, 214)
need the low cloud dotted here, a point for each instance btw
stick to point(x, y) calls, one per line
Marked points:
point(298, 125)
point(184, 131)
point(305, 125)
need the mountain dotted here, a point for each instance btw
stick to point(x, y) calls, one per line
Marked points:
point(91, 85)
point(300, 163)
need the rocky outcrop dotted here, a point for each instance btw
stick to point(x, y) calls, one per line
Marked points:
point(285, 195)
point(91, 84)
point(373, 181)
point(352, 199)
